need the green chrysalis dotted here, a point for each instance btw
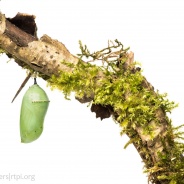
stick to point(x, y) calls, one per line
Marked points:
point(33, 110)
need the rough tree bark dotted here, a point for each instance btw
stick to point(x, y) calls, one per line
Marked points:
point(19, 41)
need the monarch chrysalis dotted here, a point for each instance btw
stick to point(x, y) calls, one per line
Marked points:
point(33, 110)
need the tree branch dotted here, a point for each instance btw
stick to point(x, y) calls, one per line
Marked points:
point(44, 55)
point(51, 58)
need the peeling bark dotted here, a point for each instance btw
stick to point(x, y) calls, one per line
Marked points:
point(44, 55)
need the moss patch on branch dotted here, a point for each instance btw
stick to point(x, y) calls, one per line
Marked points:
point(122, 87)
point(1, 51)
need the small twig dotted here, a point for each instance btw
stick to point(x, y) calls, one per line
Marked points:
point(22, 85)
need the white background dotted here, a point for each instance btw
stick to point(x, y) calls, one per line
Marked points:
point(75, 147)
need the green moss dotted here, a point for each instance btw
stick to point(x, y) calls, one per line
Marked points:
point(80, 81)
point(1, 51)
point(123, 89)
